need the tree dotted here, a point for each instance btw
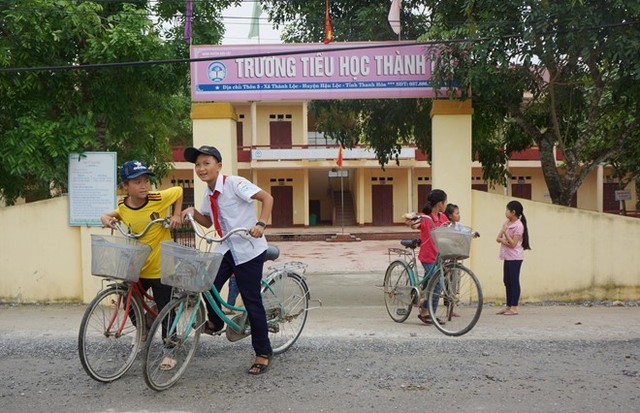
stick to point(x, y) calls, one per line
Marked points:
point(134, 110)
point(576, 63)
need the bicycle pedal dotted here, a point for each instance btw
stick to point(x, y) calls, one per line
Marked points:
point(401, 311)
point(273, 328)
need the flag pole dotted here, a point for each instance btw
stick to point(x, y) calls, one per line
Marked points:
point(340, 172)
point(341, 199)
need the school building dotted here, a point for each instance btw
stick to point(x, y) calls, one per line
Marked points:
point(252, 103)
point(274, 144)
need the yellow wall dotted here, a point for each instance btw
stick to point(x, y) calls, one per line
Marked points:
point(40, 255)
point(400, 191)
point(262, 115)
point(576, 255)
point(298, 176)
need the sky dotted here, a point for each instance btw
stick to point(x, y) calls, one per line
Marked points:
point(237, 22)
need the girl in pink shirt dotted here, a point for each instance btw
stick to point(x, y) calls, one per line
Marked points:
point(513, 239)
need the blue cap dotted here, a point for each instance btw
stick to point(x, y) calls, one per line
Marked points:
point(134, 169)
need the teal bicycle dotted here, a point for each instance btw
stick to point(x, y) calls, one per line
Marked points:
point(174, 335)
point(452, 291)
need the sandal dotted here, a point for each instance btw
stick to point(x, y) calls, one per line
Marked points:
point(259, 368)
point(211, 329)
point(168, 363)
point(510, 312)
point(502, 311)
point(429, 321)
point(425, 319)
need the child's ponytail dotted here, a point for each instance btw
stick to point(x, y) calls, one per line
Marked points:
point(435, 196)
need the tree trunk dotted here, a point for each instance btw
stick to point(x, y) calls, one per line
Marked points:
point(549, 169)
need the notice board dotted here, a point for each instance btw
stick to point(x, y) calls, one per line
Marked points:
point(92, 186)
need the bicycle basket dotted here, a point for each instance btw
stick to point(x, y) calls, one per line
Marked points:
point(118, 257)
point(452, 242)
point(188, 268)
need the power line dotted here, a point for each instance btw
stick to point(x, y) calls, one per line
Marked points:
point(320, 49)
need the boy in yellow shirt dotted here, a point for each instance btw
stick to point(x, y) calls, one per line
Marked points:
point(139, 207)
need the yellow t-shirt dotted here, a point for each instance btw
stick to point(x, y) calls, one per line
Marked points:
point(137, 219)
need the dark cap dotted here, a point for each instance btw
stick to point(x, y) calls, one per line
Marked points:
point(134, 169)
point(191, 154)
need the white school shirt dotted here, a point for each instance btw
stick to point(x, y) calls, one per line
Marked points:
point(236, 210)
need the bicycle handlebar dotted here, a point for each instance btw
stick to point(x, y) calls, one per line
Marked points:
point(209, 240)
point(118, 225)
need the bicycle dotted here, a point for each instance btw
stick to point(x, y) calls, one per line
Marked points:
point(110, 334)
point(449, 280)
point(284, 292)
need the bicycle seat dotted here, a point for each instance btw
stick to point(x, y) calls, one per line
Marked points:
point(273, 253)
point(411, 243)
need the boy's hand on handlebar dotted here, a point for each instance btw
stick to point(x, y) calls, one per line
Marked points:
point(188, 211)
point(175, 221)
point(257, 231)
point(108, 221)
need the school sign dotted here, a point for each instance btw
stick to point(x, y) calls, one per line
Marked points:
point(368, 70)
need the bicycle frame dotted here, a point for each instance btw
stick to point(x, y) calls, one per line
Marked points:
point(133, 289)
point(447, 280)
point(214, 298)
point(412, 262)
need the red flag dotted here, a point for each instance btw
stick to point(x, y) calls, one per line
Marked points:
point(328, 31)
point(339, 160)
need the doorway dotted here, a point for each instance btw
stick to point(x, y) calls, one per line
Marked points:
point(382, 204)
point(282, 214)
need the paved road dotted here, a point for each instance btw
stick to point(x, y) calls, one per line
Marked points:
point(350, 358)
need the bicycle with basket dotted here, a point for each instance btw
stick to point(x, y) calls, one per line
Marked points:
point(175, 333)
point(451, 290)
point(116, 321)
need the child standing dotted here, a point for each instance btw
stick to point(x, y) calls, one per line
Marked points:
point(513, 239)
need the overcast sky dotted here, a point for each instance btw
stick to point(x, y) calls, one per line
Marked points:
point(237, 21)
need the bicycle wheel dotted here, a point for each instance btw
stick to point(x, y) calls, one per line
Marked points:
point(109, 340)
point(286, 302)
point(455, 299)
point(172, 341)
point(399, 294)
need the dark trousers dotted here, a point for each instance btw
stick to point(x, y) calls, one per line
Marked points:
point(248, 277)
point(511, 278)
point(161, 295)
point(161, 292)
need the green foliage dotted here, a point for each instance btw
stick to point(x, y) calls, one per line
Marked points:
point(577, 64)
point(351, 20)
point(137, 111)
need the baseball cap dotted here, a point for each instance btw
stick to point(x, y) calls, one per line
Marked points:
point(191, 154)
point(134, 169)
